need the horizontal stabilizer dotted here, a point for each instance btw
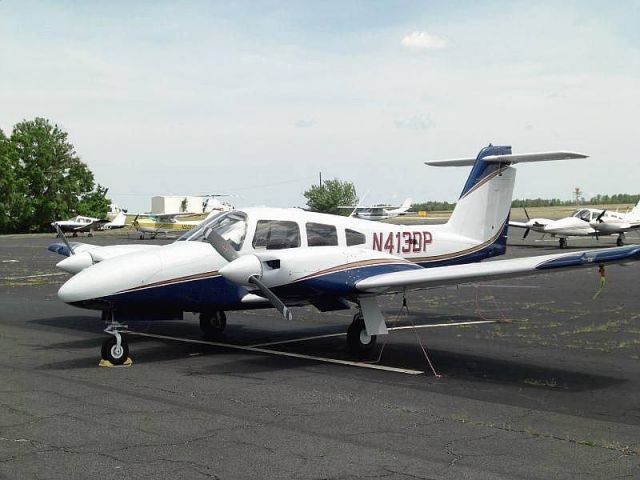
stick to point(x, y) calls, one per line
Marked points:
point(509, 159)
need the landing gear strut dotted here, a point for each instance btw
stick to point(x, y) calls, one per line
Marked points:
point(620, 240)
point(359, 341)
point(212, 323)
point(115, 349)
point(563, 243)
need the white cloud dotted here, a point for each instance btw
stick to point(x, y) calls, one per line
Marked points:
point(423, 41)
point(420, 122)
point(305, 123)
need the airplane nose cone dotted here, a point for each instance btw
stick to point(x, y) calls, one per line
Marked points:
point(72, 291)
point(108, 277)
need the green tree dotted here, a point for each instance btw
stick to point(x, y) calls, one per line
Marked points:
point(326, 198)
point(53, 181)
point(7, 186)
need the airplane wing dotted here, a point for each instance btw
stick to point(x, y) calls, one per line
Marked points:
point(509, 159)
point(516, 267)
point(167, 217)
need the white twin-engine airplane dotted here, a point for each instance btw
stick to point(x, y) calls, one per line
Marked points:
point(263, 257)
point(584, 222)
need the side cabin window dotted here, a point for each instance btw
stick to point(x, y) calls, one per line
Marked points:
point(354, 238)
point(276, 235)
point(321, 235)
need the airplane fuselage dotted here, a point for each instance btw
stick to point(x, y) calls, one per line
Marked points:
point(322, 249)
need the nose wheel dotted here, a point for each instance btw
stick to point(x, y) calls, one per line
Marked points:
point(358, 340)
point(115, 349)
point(563, 243)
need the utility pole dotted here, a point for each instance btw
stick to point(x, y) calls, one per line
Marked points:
point(320, 179)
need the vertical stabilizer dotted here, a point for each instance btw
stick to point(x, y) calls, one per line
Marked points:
point(483, 209)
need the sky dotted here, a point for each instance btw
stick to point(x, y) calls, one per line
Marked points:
point(254, 98)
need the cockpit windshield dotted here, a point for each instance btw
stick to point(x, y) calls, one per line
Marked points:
point(583, 214)
point(232, 226)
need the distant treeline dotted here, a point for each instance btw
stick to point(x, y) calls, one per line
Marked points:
point(618, 198)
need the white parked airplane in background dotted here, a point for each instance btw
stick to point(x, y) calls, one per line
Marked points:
point(584, 222)
point(79, 224)
point(382, 212)
point(263, 257)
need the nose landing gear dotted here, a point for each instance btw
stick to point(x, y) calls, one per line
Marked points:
point(115, 349)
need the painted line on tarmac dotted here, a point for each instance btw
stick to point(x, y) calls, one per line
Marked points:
point(391, 329)
point(34, 276)
point(282, 354)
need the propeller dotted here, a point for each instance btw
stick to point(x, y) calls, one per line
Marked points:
point(244, 270)
point(527, 230)
point(62, 236)
point(599, 217)
point(135, 223)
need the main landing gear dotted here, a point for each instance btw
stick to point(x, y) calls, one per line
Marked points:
point(114, 349)
point(359, 341)
point(620, 240)
point(563, 242)
point(212, 323)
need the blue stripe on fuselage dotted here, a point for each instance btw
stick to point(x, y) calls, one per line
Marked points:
point(497, 248)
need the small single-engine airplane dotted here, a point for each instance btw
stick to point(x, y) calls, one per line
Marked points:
point(79, 224)
point(381, 212)
point(264, 257)
point(583, 222)
point(154, 225)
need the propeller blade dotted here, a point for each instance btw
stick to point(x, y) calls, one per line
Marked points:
point(221, 246)
point(61, 235)
point(526, 232)
point(526, 213)
point(135, 223)
point(275, 301)
point(599, 217)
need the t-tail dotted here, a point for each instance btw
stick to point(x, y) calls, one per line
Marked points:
point(482, 212)
point(635, 211)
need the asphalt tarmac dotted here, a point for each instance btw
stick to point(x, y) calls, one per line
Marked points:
point(550, 388)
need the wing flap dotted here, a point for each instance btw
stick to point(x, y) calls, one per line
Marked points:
point(515, 267)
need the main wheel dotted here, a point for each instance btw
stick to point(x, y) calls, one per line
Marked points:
point(620, 241)
point(359, 341)
point(213, 323)
point(114, 353)
point(563, 243)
